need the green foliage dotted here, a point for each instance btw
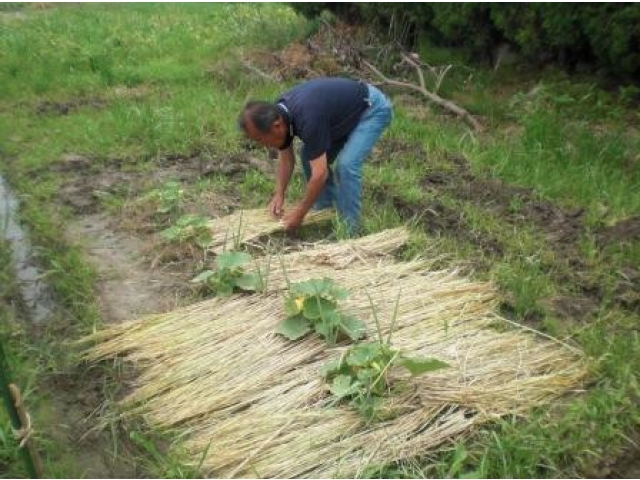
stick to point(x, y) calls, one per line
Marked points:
point(313, 305)
point(361, 375)
point(166, 465)
point(189, 228)
point(607, 33)
point(95, 46)
point(230, 275)
point(169, 197)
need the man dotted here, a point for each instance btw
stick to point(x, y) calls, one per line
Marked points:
point(338, 120)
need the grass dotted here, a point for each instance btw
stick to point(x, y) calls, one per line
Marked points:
point(138, 83)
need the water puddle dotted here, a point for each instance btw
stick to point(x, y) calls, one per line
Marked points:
point(36, 294)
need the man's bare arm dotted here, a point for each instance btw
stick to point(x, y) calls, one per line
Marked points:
point(286, 162)
point(319, 174)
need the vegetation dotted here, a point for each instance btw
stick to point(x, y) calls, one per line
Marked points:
point(189, 228)
point(229, 275)
point(313, 305)
point(603, 35)
point(544, 203)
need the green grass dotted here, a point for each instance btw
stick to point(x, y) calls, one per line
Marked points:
point(143, 82)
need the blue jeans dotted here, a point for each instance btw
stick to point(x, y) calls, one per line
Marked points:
point(344, 184)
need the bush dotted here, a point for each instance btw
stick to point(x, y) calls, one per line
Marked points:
point(604, 34)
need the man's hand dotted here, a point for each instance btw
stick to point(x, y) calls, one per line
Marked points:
point(275, 206)
point(293, 219)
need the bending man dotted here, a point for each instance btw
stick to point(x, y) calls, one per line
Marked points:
point(338, 120)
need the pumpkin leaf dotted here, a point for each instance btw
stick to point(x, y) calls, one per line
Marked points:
point(203, 239)
point(418, 366)
point(331, 367)
point(223, 289)
point(203, 277)
point(316, 307)
point(341, 386)
point(248, 281)
point(353, 327)
point(294, 327)
point(232, 259)
point(363, 354)
point(338, 292)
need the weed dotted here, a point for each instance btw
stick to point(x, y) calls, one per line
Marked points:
point(166, 464)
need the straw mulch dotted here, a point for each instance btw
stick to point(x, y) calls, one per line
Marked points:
point(217, 373)
point(243, 226)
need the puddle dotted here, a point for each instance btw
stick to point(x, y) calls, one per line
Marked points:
point(36, 294)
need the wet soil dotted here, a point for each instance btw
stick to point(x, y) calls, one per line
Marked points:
point(88, 180)
point(127, 288)
point(65, 108)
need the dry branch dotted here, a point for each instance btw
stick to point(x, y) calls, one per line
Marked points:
point(435, 98)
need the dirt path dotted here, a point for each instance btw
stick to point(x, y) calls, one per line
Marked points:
point(127, 287)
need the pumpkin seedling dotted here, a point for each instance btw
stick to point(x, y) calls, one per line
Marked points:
point(189, 228)
point(230, 275)
point(313, 305)
point(168, 197)
point(361, 375)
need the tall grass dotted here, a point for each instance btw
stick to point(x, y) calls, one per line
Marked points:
point(85, 48)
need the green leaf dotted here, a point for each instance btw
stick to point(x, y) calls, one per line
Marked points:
point(248, 281)
point(324, 287)
point(418, 366)
point(460, 455)
point(338, 292)
point(203, 238)
point(171, 233)
point(363, 354)
point(316, 307)
point(310, 287)
point(353, 327)
point(366, 376)
point(341, 386)
point(203, 277)
point(331, 367)
point(326, 330)
point(328, 326)
point(294, 327)
point(224, 289)
point(232, 259)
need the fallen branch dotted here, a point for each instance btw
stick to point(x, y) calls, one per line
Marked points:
point(257, 71)
point(441, 102)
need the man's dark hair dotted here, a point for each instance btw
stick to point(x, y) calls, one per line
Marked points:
point(262, 115)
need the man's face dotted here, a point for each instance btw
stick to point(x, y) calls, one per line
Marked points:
point(274, 138)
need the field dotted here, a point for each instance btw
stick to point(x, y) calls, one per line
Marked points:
point(118, 119)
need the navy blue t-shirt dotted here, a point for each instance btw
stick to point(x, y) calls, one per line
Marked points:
point(323, 111)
